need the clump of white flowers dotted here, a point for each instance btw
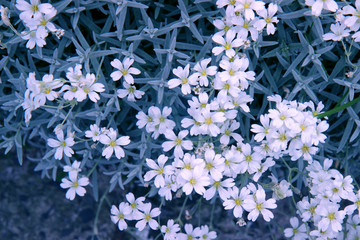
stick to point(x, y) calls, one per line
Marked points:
point(291, 128)
point(37, 17)
point(74, 182)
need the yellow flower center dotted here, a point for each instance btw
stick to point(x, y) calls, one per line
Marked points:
point(192, 181)
point(149, 119)
point(86, 89)
point(305, 149)
point(331, 216)
point(312, 209)
point(47, 90)
point(268, 20)
point(161, 171)
point(248, 158)
point(282, 117)
point(217, 184)
point(227, 132)
point(133, 205)
point(246, 5)
point(147, 217)
point(208, 121)
point(178, 141)
point(209, 166)
point(203, 72)
point(187, 166)
point(231, 72)
point(203, 105)
point(238, 202)
point(75, 184)
point(227, 46)
point(131, 90)
point(226, 86)
point(227, 28)
point(63, 144)
point(112, 144)
point(282, 137)
point(73, 89)
point(34, 8)
point(259, 206)
point(124, 71)
point(184, 80)
point(232, 2)
point(43, 22)
point(121, 216)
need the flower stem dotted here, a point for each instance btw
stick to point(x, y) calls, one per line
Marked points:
point(338, 108)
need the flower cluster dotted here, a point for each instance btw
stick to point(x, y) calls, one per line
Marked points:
point(37, 18)
point(156, 121)
point(329, 190)
point(74, 182)
point(347, 19)
point(125, 71)
point(108, 137)
point(135, 209)
point(291, 129)
point(79, 89)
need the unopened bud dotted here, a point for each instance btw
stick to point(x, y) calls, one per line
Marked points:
point(5, 15)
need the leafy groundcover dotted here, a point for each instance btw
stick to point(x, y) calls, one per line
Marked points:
point(180, 119)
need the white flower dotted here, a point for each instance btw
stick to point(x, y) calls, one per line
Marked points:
point(205, 234)
point(35, 37)
point(160, 118)
point(353, 22)
point(236, 200)
point(170, 230)
point(268, 19)
point(249, 161)
point(75, 186)
point(130, 91)
point(330, 216)
point(147, 217)
point(247, 7)
point(203, 71)
point(124, 70)
point(227, 44)
point(262, 131)
point(62, 145)
point(88, 87)
point(196, 180)
point(33, 9)
point(190, 233)
point(318, 5)
point(95, 132)
point(135, 205)
point(208, 122)
point(74, 169)
point(177, 142)
point(215, 164)
point(113, 144)
point(183, 79)
point(338, 32)
point(228, 131)
point(296, 232)
point(257, 204)
point(158, 170)
point(219, 186)
point(119, 215)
